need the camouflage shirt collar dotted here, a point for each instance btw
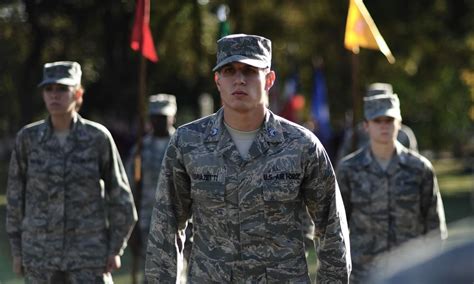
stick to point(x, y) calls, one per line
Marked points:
point(272, 130)
point(367, 155)
point(77, 129)
point(399, 154)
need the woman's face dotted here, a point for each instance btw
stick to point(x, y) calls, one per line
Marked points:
point(59, 99)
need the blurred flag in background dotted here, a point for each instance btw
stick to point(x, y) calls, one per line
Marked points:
point(142, 39)
point(320, 108)
point(293, 103)
point(361, 31)
point(224, 26)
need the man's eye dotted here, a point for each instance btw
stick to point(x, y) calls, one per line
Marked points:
point(249, 71)
point(228, 71)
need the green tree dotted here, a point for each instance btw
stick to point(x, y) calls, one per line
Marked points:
point(432, 42)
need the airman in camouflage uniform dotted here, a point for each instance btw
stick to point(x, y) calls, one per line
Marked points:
point(69, 206)
point(405, 135)
point(161, 110)
point(245, 175)
point(390, 192)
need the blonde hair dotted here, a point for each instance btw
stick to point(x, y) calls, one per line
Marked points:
point(78, 95)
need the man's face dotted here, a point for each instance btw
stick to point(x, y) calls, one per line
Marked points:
point(242, 87)
point(382, 129)
point(161, 124)
point(59, 99)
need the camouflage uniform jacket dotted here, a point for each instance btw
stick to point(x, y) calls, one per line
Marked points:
point(246, 212)
point(68, 207)
point(387, 208)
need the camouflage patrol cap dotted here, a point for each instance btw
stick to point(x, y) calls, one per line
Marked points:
point(382, 105)
point(162, 104)
point(379, 88)
point(249, 49)
point(61, 72)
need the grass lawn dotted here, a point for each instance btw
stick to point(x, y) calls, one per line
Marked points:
point(456, 187)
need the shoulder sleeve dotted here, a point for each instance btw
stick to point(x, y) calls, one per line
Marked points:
point(170, 214)
point(325, 206)
point(122, 214)
point(16, 195)
point(343, 179)
point(432, 204)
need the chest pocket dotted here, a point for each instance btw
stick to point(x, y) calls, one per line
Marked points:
point(207, 184)
point(281, 187)
point(408, 189)
point(38, 163)
point(85, 165)
point(281, 195)
point(362, 190)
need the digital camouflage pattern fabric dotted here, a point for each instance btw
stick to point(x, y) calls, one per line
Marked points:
point(162, 104)
point(246, 212)
point(387, 208)
point(61, 72)
point(153, 151)
point(249, 49)
point(68, 207)
point(382, 105)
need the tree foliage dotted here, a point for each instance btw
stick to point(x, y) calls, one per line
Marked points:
point(433, 42)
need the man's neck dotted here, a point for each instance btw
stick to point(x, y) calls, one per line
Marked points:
point(382, 151)
point(244, 121)
point(161, 133)
point(62, 122)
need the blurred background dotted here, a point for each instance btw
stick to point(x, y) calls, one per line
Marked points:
point(432, 41)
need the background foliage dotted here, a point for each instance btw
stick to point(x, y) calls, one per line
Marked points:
point(433, 42)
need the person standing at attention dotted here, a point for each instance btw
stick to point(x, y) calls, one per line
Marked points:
point(161, 114)
point(70, 210)
point(245, 175)
point(390, 193)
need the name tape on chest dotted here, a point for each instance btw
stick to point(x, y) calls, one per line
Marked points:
point(282, 176)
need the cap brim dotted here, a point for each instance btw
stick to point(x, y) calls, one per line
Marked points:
point(168, 111)
point(242, 59)
point(63, 81)
point(394, 113)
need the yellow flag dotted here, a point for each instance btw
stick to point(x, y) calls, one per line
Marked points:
point(361, 31)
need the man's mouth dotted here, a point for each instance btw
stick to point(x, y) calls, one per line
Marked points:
point(239, 94)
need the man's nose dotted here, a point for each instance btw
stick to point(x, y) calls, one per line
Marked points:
point(239, 77)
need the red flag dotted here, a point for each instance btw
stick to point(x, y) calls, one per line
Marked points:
point(142, 39)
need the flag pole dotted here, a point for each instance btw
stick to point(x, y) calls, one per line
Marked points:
point(355, 98)
point(142, 41)
point(137, 251)
point(136, 239)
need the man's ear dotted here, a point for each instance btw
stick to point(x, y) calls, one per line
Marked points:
point(216, 80)
point(269, 80)
point(78, 93)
